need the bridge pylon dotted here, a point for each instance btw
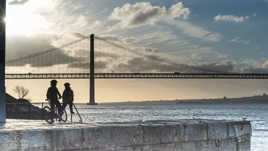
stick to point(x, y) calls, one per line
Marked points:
point(92, 72)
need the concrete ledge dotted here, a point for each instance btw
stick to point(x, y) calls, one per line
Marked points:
point(182, 135)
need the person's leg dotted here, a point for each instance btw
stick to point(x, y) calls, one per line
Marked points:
point(71, 107)
point(52, 106)
point(64, 106)
point(58, 106)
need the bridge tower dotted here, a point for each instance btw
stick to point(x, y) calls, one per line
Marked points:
point(92, 72)
point(2, 61)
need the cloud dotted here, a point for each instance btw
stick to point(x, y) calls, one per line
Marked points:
point(38, 51)
point(265, 64)
point(199, 60)
point(19, 46)
point(116, 53)
point(223, 67)
point(21, 53)
point(251, 66)
point(198, 32)
point(17, 2)
point(137, 14)
point(144, 13)
point(239, 40)
point(99, 65)
point(256, 70)
point(152, 38)
point(231, 18)
point(116, 57)
point(145, 59)
point(155, 63)
point(178, 11)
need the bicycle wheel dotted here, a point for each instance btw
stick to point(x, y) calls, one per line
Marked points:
point(49, 118)
point(64, 116)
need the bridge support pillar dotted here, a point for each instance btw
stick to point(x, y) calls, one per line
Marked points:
point(2, 61)
point(92, 72)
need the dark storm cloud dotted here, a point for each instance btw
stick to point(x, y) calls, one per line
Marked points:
point(255, 70)
point(156, 63)
point(37, 52)
point(30, 51)
point(19, 46)
point(99, 65)
point(116, 39)
point(112, 42)
point(165, 65)
point(79, 35)
point(149, 60)
point(45, 59)
point(110, 38)
point(144, 17)
point(99, 54)
point(55, 58)
point(17, 2)
point(155, 58)
point(216, 67)
point(144, 65)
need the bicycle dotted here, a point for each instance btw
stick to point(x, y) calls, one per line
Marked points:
point(51, 115)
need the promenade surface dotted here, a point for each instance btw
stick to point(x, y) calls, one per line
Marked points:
point(12, 125)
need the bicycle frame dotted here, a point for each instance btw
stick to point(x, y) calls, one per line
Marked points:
point(54, 114)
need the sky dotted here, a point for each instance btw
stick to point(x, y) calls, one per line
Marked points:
point(142, 36)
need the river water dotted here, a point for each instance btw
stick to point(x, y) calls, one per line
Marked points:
point(256, 113)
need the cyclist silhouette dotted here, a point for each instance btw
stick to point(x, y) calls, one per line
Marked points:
point(53, 96)
point(68, 97)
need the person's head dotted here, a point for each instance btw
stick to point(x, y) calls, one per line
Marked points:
point(53, 82)
point(67, 85)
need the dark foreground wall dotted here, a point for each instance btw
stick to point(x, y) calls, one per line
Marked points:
point(2, 61)
point(183, 135)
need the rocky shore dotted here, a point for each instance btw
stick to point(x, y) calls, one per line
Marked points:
point(22, 109)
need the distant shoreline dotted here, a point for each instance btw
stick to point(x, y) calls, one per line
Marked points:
point(260, 99)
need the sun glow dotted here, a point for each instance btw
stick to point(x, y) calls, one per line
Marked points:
point(25, 20)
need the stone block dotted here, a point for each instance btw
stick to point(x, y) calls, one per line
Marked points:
point(129, 135)
point(172, 134)
point(151, 134)
point(243, 143)
point(242, 129)
point(200, 146)
point(195, 132)
point(163, 147)
point(9, 140)
point(35, 140)
point(217, 131)
point(227, 144)
point(67, 139)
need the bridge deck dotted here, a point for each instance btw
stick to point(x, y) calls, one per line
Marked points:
point(138, 76)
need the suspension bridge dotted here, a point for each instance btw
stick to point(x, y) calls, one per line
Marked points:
point(80, 59)
point(72, 61)
point(137, 76)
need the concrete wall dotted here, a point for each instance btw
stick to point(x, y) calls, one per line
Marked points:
point(183, 135)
